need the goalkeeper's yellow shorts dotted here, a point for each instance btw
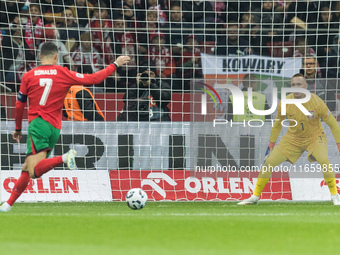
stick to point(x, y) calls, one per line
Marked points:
point(293, 147)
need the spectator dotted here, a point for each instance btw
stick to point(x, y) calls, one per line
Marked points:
point(150, 26)
point(10, 10)
point(82, 10)
point(247, 22)
point(303, 12)
point(331, 62)
point(52, 35)
point(327, 30)
point(53, 10)
point(129, 11)
point(302, 47)
point(199, 13)
point(232, 44)
point(219, 8)
point(324, 88)
point(161, 16)
point(34, 31)
point(235, 8)
point(79, 103)
point(259, 101)
point(283, 6)
point(147, 100)
point(51, 6)
point(161, 55)
point(190, 62)
point(302, 16)
point(101, 31)
point(16, 57)
point(85, 54)
point(176, 30)
point(268, 18)
point(69, 29)
point(125, 41)
point(268, 28)
point(267, 15)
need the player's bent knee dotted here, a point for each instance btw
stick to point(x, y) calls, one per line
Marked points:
point(30, 170)
point(32, 161)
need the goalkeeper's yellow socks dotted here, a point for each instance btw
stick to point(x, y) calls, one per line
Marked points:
point(331, 185)
point(260, 184)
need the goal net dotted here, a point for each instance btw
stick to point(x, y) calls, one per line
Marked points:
point(175, 120)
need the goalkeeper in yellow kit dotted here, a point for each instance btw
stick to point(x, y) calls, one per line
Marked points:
point(307, 135)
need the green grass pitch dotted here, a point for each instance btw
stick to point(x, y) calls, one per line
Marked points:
point(170, 228)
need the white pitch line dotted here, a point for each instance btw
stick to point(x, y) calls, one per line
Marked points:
point(141, 214)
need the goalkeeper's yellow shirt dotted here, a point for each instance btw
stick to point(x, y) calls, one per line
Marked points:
point(307, 126)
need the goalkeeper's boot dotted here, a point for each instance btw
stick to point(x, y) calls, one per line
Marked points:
point(71, 159)
point(336, 199)
point(253, 200)
point(5, 207)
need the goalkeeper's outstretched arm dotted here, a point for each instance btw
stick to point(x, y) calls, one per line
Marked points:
point(328, 117)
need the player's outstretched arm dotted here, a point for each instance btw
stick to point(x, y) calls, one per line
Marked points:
point(335, 129)
point(328, 117)
point(74, 78)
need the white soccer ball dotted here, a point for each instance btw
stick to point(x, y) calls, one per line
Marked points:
point(136, 198)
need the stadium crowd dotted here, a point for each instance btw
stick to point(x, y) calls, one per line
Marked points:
point(167, 35)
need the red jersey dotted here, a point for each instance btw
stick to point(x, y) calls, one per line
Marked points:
point(164, 62)
point(46, 87)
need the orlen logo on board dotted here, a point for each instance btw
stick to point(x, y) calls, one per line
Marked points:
point(178, 185)
point(195, 185)
point(53, 185)
point(154, 178)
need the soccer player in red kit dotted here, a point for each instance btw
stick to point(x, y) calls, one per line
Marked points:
point(46, 87)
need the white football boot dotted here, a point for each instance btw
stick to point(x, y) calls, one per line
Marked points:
point(71, 160)
point(5, 207)
point(336, 199)
point(253, 200)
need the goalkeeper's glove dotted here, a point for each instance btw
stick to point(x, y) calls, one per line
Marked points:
point(269, 149)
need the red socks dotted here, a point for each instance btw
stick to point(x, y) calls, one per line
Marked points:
point(42, 167)
point(19, 187)
point(46, 165)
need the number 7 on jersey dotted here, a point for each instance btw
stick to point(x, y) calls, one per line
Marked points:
point(47, 83)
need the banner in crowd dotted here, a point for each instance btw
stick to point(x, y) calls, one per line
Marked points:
point(270, 72)
point(252, 64)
